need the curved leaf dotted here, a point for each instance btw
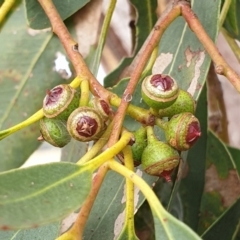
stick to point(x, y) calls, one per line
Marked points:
point(48, 232)
point(235, 153)
point(226, 225)
point(26, 72)
point(37, 18)
point(41, 194)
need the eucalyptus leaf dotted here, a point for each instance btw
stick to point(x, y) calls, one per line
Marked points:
point(47, 232)
point(42, 194)
point(235, 153)
point(226, 225)
point(26, 73)
point(37, 18)
point(73, 151)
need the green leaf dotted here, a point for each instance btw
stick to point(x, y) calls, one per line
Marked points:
point(41, 194)
point(192, 184)
point(26, 72)
point(37, 18)
point(172, 229)
point(226, 225)
point(146, 18)
point(232, 21)
point(48, 232)
point(73, 151)
point(235, 153)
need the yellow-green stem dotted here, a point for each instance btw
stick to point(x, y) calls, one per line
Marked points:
point(151, 62)
point(160, 123)
point(153, 201)
point(224, 12)
point(167, 220)
point(129, 211)
point(76, 82)
point(108, 153)
point(5, 8)
point(102, 37)
point(34, 118)
point(85, 93)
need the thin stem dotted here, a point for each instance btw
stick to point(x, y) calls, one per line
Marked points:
point(232, 44)
point(166, 220)
point(163, 22)
point(102, 38)
point(221, 66)
point(142, 185)
point(160, 123)
point(151, 62)
point(70, 46)
point(76, 82)
point(109, 153)
point(76, 231)
point(142, 115)
point(129, 210)
point(97, 146)
point(224, 12)
point(34, 118)
point(84, 99)
point(5, 8)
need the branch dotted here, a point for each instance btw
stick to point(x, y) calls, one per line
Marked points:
point(170, 14)
point(71, 46)
point(221, 66)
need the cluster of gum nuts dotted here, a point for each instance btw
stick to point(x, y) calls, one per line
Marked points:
point(174, 107)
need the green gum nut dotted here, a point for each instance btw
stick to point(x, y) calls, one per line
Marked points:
point(182, 131)
point(85, 124)
point(54, 131)
point(139, 145)
point(158, 158)
point(159, 91)
point(183, 103)
point(60, 102)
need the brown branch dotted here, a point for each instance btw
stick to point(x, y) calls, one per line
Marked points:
point(79, 225)
point(170, 14)
point(221, 66)
point(71, 48)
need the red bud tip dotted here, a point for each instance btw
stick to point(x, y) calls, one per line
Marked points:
point(105, 107)
point(53, 95)
point(167, 175)
point(162, 82)
point(87, 126)
point(194, 133)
